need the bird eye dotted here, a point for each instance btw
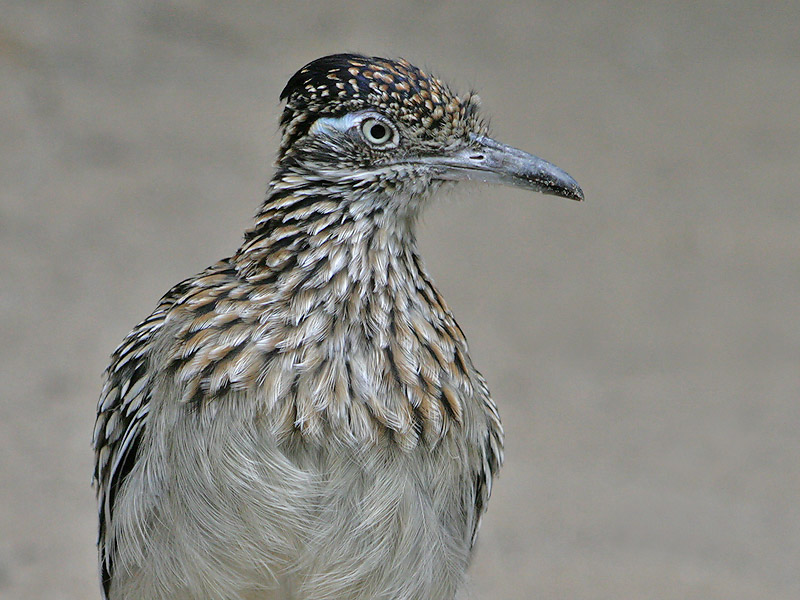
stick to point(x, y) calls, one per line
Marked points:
point(376, 132)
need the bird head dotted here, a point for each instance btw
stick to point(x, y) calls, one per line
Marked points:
point(387, 129)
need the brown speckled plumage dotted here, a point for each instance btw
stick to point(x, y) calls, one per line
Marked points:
point(302, 419)
point(338, 84)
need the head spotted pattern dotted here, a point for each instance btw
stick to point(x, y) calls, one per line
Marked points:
point(342, 83)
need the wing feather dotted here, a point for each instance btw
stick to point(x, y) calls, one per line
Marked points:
point(122, 414)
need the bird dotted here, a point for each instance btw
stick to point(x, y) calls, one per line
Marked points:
point(302, 420)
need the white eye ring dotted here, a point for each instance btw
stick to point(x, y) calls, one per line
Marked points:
point(377, 132)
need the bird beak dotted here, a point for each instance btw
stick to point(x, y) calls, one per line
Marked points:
point(490, 161)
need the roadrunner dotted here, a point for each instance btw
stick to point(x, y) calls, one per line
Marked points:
point(302, 420)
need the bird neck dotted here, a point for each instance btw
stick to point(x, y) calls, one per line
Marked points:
point(358, 320)
point(313, 235)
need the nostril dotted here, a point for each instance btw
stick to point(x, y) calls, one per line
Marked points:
point(477, 157)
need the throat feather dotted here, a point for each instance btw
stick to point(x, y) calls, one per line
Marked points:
point(347, 335)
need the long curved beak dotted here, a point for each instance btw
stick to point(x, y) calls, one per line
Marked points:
point(490, 161)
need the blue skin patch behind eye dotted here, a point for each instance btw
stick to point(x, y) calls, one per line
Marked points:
point(337, 124)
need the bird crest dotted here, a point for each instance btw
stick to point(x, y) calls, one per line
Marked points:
point(338, 84)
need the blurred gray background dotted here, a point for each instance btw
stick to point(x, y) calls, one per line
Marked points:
point(643, 347)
